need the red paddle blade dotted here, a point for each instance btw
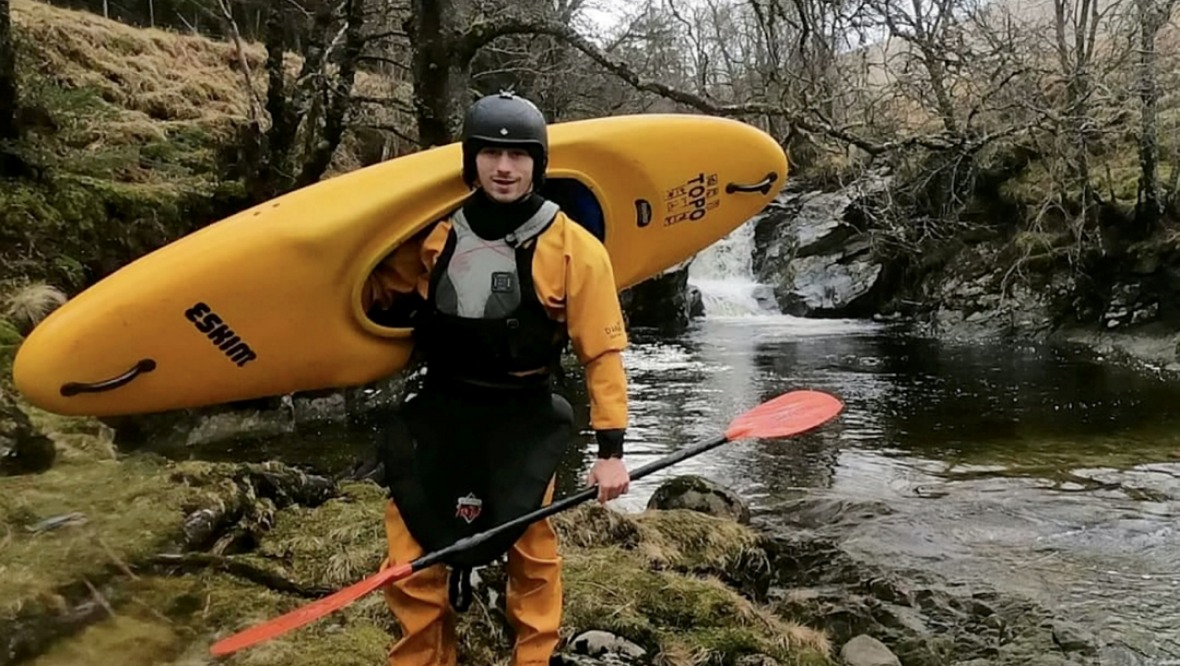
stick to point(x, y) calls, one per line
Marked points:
point(789, 414)
point(309, 613)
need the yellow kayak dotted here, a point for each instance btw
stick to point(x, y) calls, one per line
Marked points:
point(268, 301)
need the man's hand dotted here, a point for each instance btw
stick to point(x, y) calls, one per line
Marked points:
point(611, 476)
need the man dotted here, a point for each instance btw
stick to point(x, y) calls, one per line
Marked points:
point(496, 291)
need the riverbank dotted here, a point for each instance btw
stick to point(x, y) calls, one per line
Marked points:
point(132, 555)
point(842, 252)
point(147, 560)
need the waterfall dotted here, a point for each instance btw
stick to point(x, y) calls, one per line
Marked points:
point(724, 274)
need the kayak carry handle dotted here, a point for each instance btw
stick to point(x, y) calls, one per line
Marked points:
point(762, 186)
point(74, 388)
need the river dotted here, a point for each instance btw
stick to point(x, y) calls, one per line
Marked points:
point(1040, 471)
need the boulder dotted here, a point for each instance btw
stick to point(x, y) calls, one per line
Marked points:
point(605, 648)
point(867, 651)
point(697, 493)
point(817, 260)
point(663, 302)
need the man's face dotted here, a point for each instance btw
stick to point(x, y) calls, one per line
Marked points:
point(505, 174)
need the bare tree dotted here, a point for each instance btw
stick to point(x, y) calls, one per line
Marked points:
point(1151, 15)
point(317, 102)
point(8, 88)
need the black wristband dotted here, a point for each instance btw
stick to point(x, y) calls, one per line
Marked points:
point(610, 443)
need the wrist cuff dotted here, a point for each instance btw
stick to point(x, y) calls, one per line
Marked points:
point(610, 443)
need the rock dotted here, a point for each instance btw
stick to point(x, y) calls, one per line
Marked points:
point(599, 644)
point(902, 618)
point(827, 283)
point(565, 659)
point(971, 307)
point(661, 302)
point(1149, 312)
point(764, 297)
point(696, 302)
point(816, 581)
point(830, 608)
point(867, 651)
point(1071, 638)
point(817, 261)
point(696, 493)
point(23, 449)
point(320, 408)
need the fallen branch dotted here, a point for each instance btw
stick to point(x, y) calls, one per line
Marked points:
point(241, 569)
point(240, 502)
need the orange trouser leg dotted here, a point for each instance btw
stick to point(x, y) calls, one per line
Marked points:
point(420, 602)
point(533, 600)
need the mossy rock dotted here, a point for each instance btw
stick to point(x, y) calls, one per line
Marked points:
point(697, 493)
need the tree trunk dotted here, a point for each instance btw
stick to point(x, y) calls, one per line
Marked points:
point(1075, 60)
point(340, 98)
point(441, 72)
point(8, 100)
point(262, 180)
point(1148, 206)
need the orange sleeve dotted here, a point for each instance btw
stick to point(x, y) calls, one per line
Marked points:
point(405, 269)
point(578, 279)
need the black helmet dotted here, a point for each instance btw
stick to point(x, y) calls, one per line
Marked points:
point(505, 120)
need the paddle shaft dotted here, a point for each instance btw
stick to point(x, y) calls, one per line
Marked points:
point(590, 493)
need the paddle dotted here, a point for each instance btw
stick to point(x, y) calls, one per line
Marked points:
point(786, 415)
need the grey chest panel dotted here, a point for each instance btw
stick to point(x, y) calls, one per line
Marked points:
point(481, 279)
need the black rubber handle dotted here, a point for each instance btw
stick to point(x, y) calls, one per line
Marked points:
point(762, 186)
point(74, 388)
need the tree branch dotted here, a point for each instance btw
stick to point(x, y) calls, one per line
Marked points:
point(397, 64)
point(483, 33)
point(391, 102)
point(392, 129)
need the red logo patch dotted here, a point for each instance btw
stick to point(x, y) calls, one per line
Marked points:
point(469, 508)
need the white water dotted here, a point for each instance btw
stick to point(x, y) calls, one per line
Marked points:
point(724, 273)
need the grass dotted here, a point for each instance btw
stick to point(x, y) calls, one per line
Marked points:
point(335, 544)
point(681, 618)
point(656, 578)
point(133, 135)
point(128, 105)
point(150, 74)
point(174, 97)
point(129, 508)
point(24, 307)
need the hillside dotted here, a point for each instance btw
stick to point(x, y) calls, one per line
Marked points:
point(131, 133)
